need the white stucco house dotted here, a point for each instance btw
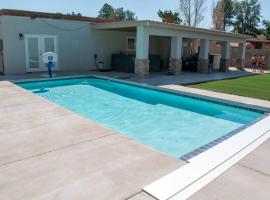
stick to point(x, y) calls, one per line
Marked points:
point(140, 45)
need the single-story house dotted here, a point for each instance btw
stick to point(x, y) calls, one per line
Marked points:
point(259, 46)
point(260, 42)
point(81, 42)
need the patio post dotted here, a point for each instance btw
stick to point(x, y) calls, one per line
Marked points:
point(175, 66)
point(142, 46)
point(242, 55)
point(225, 56)
point(194, 47)
point(203, 61)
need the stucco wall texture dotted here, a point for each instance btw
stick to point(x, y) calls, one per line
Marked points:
point(77, 42)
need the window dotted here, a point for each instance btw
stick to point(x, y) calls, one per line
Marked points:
point(131, 44)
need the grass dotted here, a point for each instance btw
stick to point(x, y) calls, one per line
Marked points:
point(252, 86)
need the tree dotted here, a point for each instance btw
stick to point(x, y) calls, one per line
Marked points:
point(106, 12)
point(198, 11)
point(75, 14)
point(175, 16)
point(130, 16)
point(247, 17)
point(185, 11)
point(218, 16)
point(191, 11)
point(118, 14)
point(223, 14)
point(266, 31)
point(228, 13)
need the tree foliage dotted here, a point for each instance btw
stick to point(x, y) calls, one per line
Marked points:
point(192, 12)
point(228, 13)
point(75, 14)
point(175, 16)
point(247, 17)
point(223, 14)
point(130, 16)
point(243, 16)
point(266, 31)
point(218, 16)
point(106, 12)
point(118, 14)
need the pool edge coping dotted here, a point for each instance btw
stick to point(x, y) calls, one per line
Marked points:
point(194, 173)
point(219, 140)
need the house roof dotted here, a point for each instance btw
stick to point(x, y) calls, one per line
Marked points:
point(131, 26)
point(108, 24)
point(32, 14)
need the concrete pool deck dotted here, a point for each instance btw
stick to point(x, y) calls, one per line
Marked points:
point(48, 152)
point(68, 152)
point(248, 101)
point(249, 179)
point(155, 79)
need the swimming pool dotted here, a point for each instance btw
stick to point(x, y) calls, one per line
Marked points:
point(171, 123)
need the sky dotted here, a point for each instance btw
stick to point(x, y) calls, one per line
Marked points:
point(144, 9)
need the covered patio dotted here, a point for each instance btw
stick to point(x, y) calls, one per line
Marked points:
point(178, 36)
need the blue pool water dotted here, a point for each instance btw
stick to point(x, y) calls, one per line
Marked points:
point(173, 124)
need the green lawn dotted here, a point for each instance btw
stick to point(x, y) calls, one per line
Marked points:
point(252, 86)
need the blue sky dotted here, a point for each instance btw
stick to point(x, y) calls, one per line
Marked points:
point(145, 9)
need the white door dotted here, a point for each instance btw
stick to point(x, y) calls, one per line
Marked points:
point(35, 46)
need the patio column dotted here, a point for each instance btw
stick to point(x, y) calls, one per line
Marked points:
point(175, 66)
point(225, 56)
point(242, 55)
point(194, 48)
point(142, 46)
point(203, 61)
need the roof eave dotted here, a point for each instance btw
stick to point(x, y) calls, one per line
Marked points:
point(125, 24)
point(57, 16)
